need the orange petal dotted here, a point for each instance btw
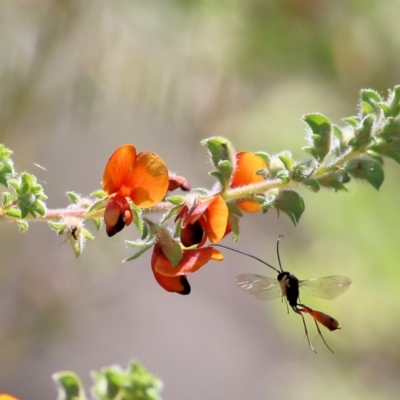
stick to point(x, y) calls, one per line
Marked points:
point(4, 396)
point(192, 260)
point(118, 168)
point(176, 284)
point(216, 255)
point(148, 180)
point(247, 165)
point(217, 219)
point(249, 206)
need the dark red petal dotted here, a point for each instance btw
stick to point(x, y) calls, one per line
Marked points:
point(192, 234)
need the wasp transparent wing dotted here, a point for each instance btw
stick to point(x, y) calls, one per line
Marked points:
point(327, 288)
point(259, 286)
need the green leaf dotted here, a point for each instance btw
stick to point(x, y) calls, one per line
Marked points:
point(233, 222)
point(97, 222)
point(137, 215)
point(363, 133)
point(86, 234)
point(39, 207)
point(223, 157)
point(219, 176)
point(7, 199)
point(291, 203)
point(22, 225)
point(220, 149)
point(56, 226)
point(300, 172)
point(370, 100)
point(267, 203)
point(283, 175)
point(100, 194)
point(134, 383)
point(353, 121)
point(367, 169)
point(143, 247)
point(287, 160)
point(310, 150)
point(394, 101)
point(175, 200)
point(13, 213)
point(5, 152)
point(69, 386)
point(321, 134)
point(312, 184)
point(234, 209)
point(334, 180)
point(375, 156)
point(265, 157)
point(173, 251)
point(6, 171)
point(97, 206)
point(390, 129)
point(73, 197)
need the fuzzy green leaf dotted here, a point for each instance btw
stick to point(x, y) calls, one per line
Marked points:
point(363, 133)
point(219, 176)
point(291, 203)
point(22, 225)
point(7, 199)
point(394, 101)
point(370, 100)
point(175, 200)
point(234, 209)
point(321, 128)
point(13, 213)
point(352, 121)
point(73, 197)
point(220, 149)
point(97, 206)
point(265, 157)
point(100, 194)
point(142, 246)
point(69, 386)
point(233, 222)
point(312, 184)
point(366, 169)
point(334, 180)
point(287, 160)
point(97, 222)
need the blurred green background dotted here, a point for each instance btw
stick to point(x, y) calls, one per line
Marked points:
point(79, 78)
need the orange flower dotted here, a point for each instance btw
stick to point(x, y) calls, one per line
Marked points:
point(4, 396)
point(142, 177)
point(173, 279)
point(206, 219)
point(247, 166)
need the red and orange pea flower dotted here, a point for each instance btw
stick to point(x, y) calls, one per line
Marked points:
point(174, 279)
point(141, 177)
point(206, 219)
point(246, 172)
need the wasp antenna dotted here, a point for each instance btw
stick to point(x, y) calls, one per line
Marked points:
point(277, 251)
point(248, 255)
